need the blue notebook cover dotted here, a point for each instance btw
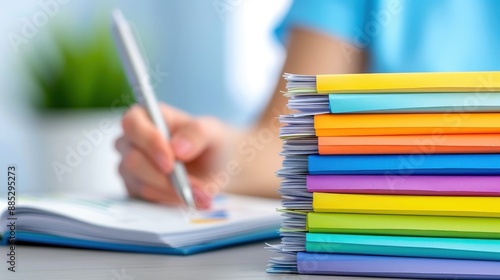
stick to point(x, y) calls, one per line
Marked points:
point(414, 103)
point(416, 164)
point(47, 239)
point(124, 224)
point(404, 267)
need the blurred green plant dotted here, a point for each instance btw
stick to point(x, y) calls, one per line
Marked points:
point(80, 73)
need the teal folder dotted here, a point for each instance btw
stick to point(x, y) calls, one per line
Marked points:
point(415, 102)
point(404, 246)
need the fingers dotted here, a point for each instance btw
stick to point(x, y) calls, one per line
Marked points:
point(195, 137)
point(190, 137)
point(133, 186)
point(148, 158)
point(202, 198)
point(144, 181)
point(135, 163)
point(139, 190)
point(165, 196)
point(158, 196)
point(141, 132)
point(174, 117)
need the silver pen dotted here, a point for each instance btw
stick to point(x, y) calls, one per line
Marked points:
point(138, 77)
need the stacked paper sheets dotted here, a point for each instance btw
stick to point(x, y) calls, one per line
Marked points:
point(391, 175)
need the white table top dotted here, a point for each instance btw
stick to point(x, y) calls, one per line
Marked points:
point(239, 262)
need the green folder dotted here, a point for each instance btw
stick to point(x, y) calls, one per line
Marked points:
point(404, 246)
point(404, 225)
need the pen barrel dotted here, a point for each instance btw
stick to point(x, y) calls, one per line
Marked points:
point(137, 73)
point(180, 181)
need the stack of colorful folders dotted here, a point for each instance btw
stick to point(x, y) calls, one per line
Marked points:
point(391, 175)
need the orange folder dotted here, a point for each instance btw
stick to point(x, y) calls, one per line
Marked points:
point(410, 144)
point(406, 124)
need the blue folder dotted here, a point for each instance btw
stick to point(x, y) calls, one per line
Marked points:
point(417, 164)
point(379, 266)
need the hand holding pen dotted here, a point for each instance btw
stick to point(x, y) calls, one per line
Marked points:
point(158, 140)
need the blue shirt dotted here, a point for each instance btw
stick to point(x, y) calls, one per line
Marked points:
point(406, 35)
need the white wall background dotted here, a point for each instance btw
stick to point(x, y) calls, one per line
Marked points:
point(254, 57)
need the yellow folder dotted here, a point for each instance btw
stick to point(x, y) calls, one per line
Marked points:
point(461, 206)
point(406, 124)
point(409, 82)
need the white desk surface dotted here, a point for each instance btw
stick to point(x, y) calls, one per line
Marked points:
point(239, 262)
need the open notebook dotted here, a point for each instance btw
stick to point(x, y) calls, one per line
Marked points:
point(129, 225)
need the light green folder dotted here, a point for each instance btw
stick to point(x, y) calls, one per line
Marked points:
point(404, 225)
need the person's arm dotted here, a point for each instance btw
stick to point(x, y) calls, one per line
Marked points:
point(309, 53)
point(218, 157)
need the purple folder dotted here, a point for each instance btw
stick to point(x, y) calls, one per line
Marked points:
point(406, 185)
point(404, 267)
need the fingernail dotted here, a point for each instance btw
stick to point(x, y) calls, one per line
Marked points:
point(182, 146)
point(163, 163)
point(203, 202)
